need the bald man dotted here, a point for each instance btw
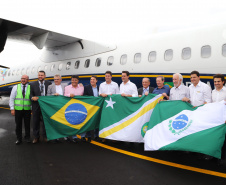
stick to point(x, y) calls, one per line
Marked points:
point(20, 106)
point(146, 89)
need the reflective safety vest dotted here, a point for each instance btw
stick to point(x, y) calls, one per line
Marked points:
point(22, 103)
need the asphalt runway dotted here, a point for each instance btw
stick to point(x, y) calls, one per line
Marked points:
point(97, 163)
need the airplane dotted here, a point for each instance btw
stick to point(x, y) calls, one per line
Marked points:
point(202, 49)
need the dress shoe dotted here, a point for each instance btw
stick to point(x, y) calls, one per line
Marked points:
point(83, 139)
point(27, 140)
point(89, 139)
point(67, 139)
point(75, 140)
point(96, 138)
point(18, 142)
point(208, 158)
point(36, 140)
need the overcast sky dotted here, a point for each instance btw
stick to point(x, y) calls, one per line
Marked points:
point(113, 20)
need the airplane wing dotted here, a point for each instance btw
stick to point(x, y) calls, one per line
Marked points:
point(54, 43)
point(39, 37)
point(4, 67)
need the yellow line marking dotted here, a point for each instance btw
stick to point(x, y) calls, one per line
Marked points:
point(181, 166)
point(4, 108)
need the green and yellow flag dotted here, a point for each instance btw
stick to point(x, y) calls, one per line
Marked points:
point(64, 116)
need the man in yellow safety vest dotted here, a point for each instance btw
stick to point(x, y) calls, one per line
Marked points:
point(20, 106)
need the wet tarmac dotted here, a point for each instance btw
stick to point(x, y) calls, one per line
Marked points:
point(108, 163)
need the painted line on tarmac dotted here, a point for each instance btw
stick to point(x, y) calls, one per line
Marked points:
point(4, 108)
point(181, 166)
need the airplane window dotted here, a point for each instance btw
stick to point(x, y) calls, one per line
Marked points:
point(206, 51)
point(60, 67)
point(152, 56)
point(77, 64)
point(98, 62)
point(39, 69)
point(14, 72)
point(45, 68)
point(123, 59)
point(33, 70)
point(224, 50)
point(18, 72)
point(186, 53)
point(168, 54)
point(68, 66)
point(9, 73)
point(110, 60)
point(23, 71)
point(87, 62)
point(52, 67)
point(137, 58)
point(28, 71)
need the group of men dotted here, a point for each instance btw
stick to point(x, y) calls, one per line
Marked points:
point(24, 96)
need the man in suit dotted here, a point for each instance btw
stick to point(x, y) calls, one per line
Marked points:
point(146, 89)
point(92, 90)
point(57, 88)
point(38, 88)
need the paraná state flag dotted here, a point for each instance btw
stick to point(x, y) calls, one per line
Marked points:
point(177, 125)
point(123, 117)
point(64, 116)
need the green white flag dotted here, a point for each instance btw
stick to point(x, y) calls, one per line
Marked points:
point(176, 125)
point(123, 117)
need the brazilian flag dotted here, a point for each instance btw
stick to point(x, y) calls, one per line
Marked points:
point(64, 116)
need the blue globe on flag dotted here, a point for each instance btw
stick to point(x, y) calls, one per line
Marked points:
point(75, 113)
point(180, 122)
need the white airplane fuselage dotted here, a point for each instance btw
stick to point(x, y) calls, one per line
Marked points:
point(202, 49)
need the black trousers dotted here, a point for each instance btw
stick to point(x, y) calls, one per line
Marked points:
point(21, 115)
point(223, 151)
point(37, 122)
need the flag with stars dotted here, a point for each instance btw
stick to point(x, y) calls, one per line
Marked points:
point(64, 116)
point(123, 117)
point(177, 125)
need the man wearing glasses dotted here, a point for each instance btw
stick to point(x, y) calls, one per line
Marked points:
point(38, 88)
point(57, 88)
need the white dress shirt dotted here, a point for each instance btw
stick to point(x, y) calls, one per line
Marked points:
point(178, 93)
point(129, 88)
point(111, 88)
point(200, 94)
point(220, 95)
point(59, 89)
point(13, 95)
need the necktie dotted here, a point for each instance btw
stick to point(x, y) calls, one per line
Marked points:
point(23, 92)
point(145, 90)
point(42, 89)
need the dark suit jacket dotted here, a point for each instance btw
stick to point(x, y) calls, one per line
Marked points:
point(88, 90)
point(35, 91)
point(140, 90)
